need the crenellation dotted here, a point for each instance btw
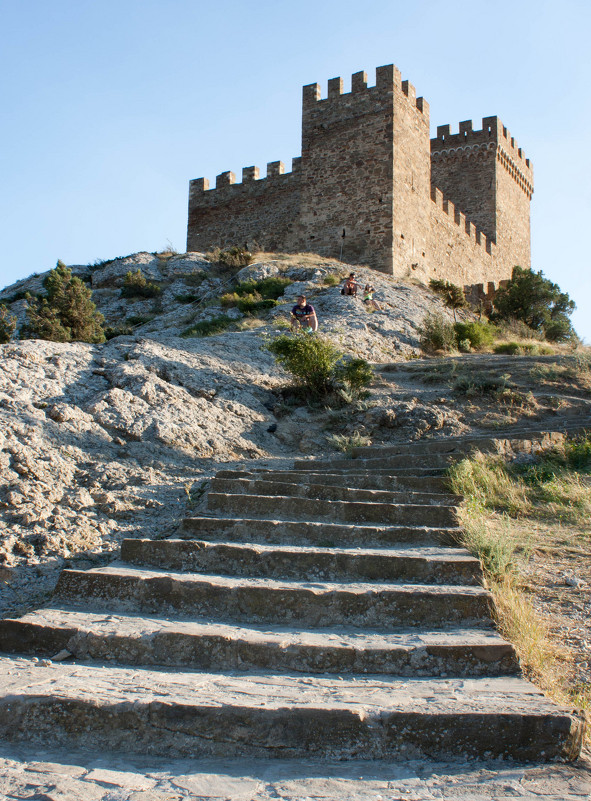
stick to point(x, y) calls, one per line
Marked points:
point(371, 187)
point(225, 179)
point(311, 93)
point(199, 185)
point(335, 88)
point(275, 168)
point(359, 82)
point(409, 90)
point(250, 174)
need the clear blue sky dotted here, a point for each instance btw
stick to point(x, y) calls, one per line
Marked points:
point(112, 106)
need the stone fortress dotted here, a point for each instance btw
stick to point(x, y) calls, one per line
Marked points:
point(372, 188)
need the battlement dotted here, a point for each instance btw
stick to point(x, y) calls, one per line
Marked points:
point(250, 176)
point(493, 136)
point(388, 80)
point(460, 219)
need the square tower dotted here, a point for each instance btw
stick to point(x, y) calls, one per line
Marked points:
point(365, 172)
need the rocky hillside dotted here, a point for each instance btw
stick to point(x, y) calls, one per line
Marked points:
point(99, 442)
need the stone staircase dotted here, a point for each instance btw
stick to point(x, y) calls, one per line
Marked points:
point(322, 611)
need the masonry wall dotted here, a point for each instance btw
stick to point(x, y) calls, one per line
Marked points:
point(412, 180)
point(347, 171)
point(490, 180)
point(258, 213)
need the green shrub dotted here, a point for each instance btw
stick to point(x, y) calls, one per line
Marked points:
point(7, 324)
point(67, 313)
point(317, 365)
point(112, 331)
point(436, 333)
point(479, 335)
point(136, 285)
point(356, 373)
point(475, 383)
point(331, 280)
point(208, 328)
point(232, 257)
point(247, 303)
point(523, 349)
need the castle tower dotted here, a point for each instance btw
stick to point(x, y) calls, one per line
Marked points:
point(489, 179)
point(365, 171)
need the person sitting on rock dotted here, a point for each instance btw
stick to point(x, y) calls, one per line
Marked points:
point(350, 286)
point(368, 297)
point(304, 316)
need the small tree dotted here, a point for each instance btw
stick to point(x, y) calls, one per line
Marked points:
point(7, 324)
point(453, 296)
point(537, 302)
point(67, 313)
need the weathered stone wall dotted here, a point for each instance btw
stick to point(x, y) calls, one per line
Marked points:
point(488, 178)
point(412, 180)
point(347, 170)
point(258, 213)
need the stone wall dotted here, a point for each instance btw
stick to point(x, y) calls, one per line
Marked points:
point(258, 213)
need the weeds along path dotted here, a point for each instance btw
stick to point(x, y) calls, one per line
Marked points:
point(528, 522)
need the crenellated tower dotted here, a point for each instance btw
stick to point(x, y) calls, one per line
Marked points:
point(365, 169)
point(487, 176)
point(372, 188)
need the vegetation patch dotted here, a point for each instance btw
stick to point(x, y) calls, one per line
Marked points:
point(452, 295)
point(319, 368)
point(7, 324)
point(208, 328)
point(347, 443)
point(537, 302)
point(231, 257)
point(523, 349)
point(136, 285)
point(66, 313)
point(515, 517)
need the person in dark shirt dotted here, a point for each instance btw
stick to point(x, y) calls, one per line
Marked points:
point(304, 316)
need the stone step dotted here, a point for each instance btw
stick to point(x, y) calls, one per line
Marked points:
point(461, 447)
point(200, 645)
point(374, 480)
point(281, 716)
point(321, 491)
point(416, 565)
point(389, 465)
point(414, 461)
point(317, 604)
point(290, 508)
point(315, 533)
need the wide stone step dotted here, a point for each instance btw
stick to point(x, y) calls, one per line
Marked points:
point(291, 508)
point(284, 715)
point(461, 447)
point(388, 465)
point(315, 533)
point(135, 640)
point(321, 491)
point(374, 480)
point(259, 600)
point(418, 461)
point(306, 563)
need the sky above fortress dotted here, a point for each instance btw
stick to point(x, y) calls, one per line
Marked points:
point(111, 107)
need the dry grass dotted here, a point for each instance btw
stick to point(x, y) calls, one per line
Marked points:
point(513, 513)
